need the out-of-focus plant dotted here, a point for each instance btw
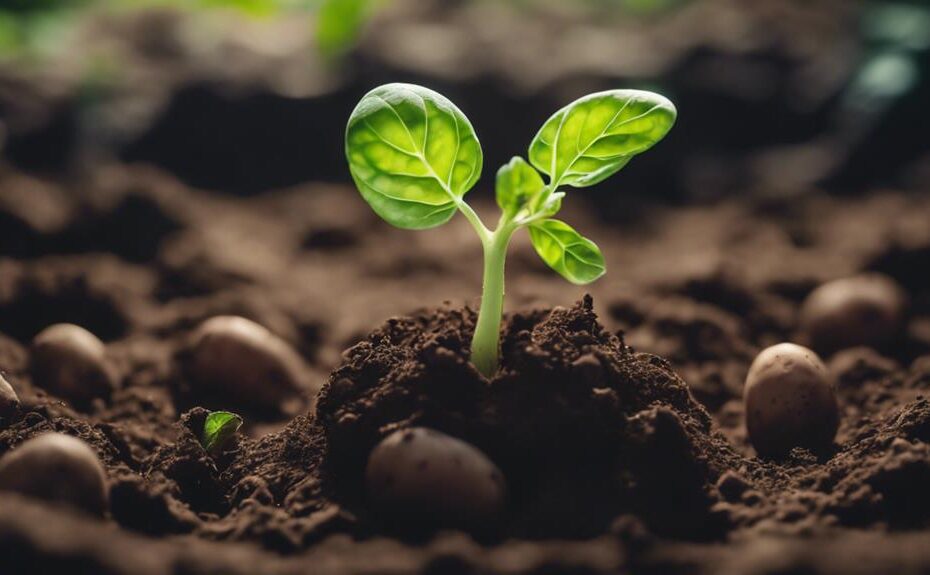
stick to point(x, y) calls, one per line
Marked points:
point(29, 25)
point(895, 35)
point(23, 23)
point(340, 22)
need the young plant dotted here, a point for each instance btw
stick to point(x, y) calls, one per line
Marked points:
point(218, 429)
point(414, 155)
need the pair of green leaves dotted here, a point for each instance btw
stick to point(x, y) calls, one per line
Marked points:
point(414, 155)
point(523, 197)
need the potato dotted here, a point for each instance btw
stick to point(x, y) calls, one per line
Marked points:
point(866, 309)
point(429, 477)
point(789, 401)
point(57, 468)
point(9, 401)
point(70, 362)
point(239, 358)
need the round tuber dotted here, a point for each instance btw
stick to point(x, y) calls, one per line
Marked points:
point(57, 468)
point(429, 477)
point(789, 401)
point(863, 310)
point(242, 360)
point(70, 362)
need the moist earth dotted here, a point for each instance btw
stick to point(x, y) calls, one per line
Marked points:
point(617, 420)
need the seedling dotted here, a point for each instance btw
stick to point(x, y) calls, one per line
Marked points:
point(414, 155)
point(218, 429)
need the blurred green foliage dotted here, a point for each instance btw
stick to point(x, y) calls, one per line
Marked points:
point(896, 34)
point(906, 26)
point(23, 22)
point(339, 23)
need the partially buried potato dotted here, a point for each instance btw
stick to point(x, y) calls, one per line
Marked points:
point(422, 477)
point(789, 401)
point(70, 362)
point(9, 401)
point(867, 309)
point(238, 358)
point(57, 468)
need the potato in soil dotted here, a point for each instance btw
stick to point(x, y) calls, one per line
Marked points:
point(790, 401)
point(58, 468)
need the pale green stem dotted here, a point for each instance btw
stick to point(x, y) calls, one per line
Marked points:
point(483, 232)
point(485, 344)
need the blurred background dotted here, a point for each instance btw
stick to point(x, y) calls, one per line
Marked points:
point(776, 97)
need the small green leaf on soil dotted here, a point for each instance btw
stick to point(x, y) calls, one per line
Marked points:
point(218, 429)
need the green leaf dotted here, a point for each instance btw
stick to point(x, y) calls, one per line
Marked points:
point(517, 184)
point(575, 257)
point(413, 155)
point(551, 206)
point(218, 429)
point(592, 138)
point(339, 23)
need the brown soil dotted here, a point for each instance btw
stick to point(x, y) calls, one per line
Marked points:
point(617, 459)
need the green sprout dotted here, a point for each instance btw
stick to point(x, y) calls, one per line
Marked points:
point(218, 429)
point(414, 155)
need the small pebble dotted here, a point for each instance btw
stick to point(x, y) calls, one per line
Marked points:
point(68, 361)
point(789, 401)
point(57, 468)
point(866, 309)
point(428, 477)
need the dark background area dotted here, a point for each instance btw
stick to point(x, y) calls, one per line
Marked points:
point(775, 97)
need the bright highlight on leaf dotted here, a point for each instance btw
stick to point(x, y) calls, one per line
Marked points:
point(414, 155)
point(218, 429)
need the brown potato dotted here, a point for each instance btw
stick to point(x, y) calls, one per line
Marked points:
point(789, 401)
point(56, 468)
point(9, 401)
point(239, 358)
point(70, 362)
point(866, 309)
point(429, 477)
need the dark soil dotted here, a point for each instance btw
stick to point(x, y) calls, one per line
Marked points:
point(617, 459)
point(616, 418)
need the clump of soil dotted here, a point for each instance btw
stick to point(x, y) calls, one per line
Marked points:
point(584, 428)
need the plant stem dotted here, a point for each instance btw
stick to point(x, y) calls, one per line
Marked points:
point(485, 345)
point(483, 232)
